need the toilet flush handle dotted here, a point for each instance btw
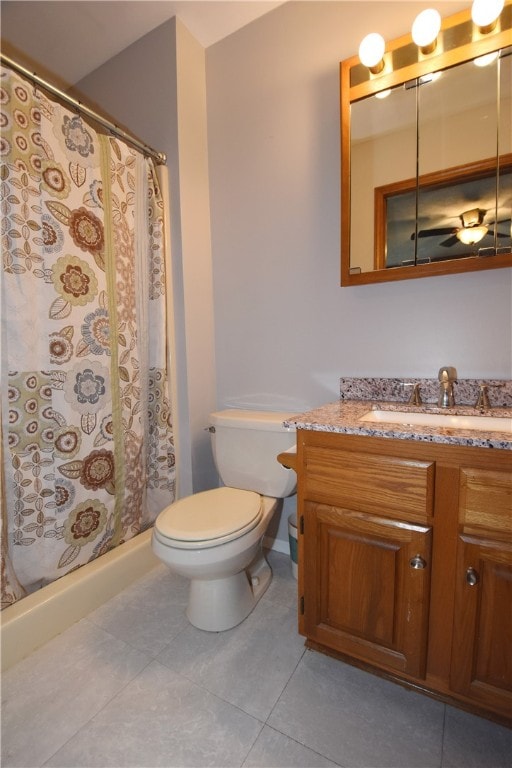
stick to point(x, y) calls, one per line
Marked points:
point(209, 429)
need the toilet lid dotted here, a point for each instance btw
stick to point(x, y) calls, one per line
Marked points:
point(210, 515)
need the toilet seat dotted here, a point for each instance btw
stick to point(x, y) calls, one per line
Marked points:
point(209, 518)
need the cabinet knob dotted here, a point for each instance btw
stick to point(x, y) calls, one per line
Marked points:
point(417, 562)
point(472, 577)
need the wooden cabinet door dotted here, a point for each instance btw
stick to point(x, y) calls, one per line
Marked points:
point(482, 640)
point(366, 586)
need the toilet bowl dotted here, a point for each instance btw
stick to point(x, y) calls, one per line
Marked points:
point(214, 538)
point(228, 572)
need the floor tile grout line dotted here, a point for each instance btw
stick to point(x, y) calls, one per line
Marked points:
point(210, 692)
point(302, 744)
point(178, 674)
point(224, 701)
point(131, 644)
point(127, 642)
point(252, 745)
point(327, 757)
point(157, 658)
point(220, 698)
point(105, 704)
point(285, 686)
point(443, 732)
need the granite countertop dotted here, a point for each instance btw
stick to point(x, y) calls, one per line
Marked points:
point(344, 415)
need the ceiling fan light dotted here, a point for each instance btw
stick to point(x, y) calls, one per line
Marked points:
point(371, 52)
point(425, 30)
point(485, 14)
point(472, 235)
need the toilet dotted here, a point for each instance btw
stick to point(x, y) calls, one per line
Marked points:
point(214, 538)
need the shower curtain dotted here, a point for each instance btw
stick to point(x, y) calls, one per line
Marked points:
point(87, 436)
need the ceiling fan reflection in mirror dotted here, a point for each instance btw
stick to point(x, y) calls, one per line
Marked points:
point(473, 229)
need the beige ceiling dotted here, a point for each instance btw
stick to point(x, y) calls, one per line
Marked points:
point(73, 38)
point(64, 40)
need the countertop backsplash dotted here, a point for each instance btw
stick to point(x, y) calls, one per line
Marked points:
point(466, 391)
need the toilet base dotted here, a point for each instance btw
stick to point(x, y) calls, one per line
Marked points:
point(218, 604)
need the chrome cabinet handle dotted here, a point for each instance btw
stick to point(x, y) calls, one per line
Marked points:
point(472, 577)
point(417, 562)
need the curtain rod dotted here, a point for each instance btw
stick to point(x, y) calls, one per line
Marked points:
point(159, 157)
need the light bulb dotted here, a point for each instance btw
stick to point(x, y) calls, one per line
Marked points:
point(371, 52)
point(425, 29)
point(383, 94)
point(485, 13)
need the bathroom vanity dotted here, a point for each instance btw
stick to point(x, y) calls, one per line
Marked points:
point(405, 549)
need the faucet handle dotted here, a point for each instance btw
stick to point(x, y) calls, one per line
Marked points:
point(447, 373)
point(415, 396)
point(483, 403)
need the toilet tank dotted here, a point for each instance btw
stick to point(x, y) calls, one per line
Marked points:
point(245, 446)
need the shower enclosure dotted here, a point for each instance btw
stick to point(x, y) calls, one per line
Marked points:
point(87, 433)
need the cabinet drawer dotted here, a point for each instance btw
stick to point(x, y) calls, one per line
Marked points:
point(368, 482)
point(485, 500)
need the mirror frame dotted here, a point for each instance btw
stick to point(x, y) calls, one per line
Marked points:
point(404, 62)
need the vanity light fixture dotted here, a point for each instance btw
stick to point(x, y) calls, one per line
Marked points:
point(425, 30)
point(485, 14)
point(371, 52)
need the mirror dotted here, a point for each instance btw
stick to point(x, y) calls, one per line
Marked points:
point(427, 157)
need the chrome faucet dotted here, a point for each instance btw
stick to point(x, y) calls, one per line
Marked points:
point(447, 376)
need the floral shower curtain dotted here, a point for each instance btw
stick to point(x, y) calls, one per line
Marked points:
point(87, 438)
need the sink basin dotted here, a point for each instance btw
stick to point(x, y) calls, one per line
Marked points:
point(484, 423)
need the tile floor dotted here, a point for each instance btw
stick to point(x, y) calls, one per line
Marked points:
point(134, 684)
